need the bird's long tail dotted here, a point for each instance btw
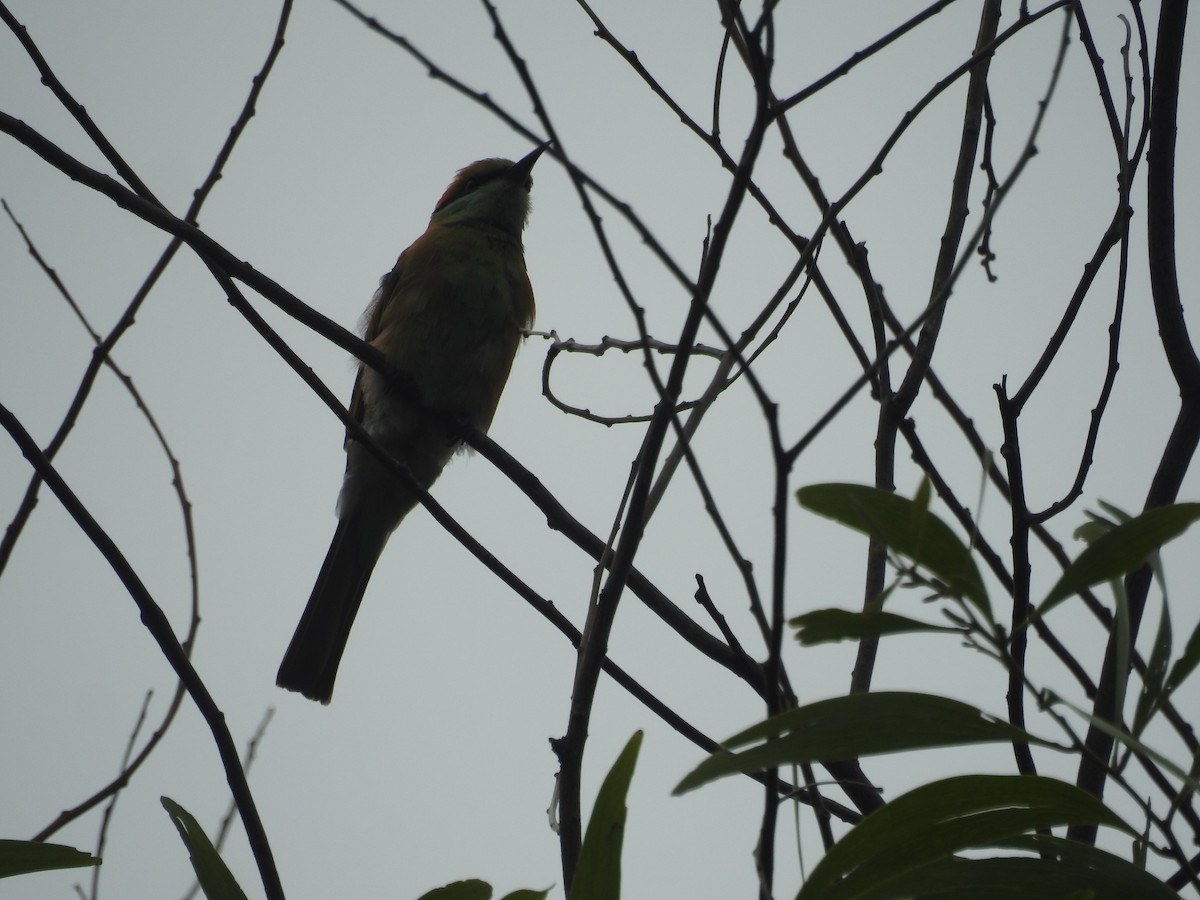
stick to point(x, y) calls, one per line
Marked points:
point(311, 662)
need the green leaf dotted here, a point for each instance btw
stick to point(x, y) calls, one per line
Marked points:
point(1119, 515)
point(822, 626)
point(1122, 550)
point(1124, 737)
point(906, 527)
point(527, 894)
point(1124, 631)
point(1093, 530)
point(469, 889)
point(215, 879)
point(1109, 876)
point(1155, 681)
point(922, 496)
point(1187, 662)
point(23, 857)
point(598, 875)
point(850, 727)
point(926, 826)
point(1103, 877)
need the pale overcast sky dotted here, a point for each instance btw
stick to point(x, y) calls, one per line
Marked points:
point(432, 763)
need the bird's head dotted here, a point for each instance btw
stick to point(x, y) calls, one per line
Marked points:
point(491, 191)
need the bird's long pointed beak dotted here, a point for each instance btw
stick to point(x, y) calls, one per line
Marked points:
point(522, 167)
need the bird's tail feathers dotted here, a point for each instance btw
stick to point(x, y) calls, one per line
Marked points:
point(311, 662)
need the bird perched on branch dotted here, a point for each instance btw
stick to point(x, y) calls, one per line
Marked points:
point(449, 318)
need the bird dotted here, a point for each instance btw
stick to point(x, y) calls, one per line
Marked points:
point(449, 318)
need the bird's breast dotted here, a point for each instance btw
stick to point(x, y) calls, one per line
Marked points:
point(452, 315)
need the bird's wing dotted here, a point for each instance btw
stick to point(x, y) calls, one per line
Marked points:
point(374, 315)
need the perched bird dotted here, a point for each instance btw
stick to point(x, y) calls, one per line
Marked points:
point(449, 318)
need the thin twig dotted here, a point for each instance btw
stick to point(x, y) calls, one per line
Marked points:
point(110, 807)
point(159, 626)
point(101, 357)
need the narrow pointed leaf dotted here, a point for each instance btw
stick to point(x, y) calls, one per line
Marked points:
point(1092, 530)
point(527, 894)
point(598, 875)
point(1012, 877)
point(1123, 631)
point(922, 496)
point(1155, 680)
point(1124, 737)
point(1122, 550)
point(214, 876)
point(23, 857)
point(1116, 512)
point(930, 824)
point(905, 527)
point(850, 727)
point(468, 889)
point(1109, 876)
point(1187, 662)
point(822, 626)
